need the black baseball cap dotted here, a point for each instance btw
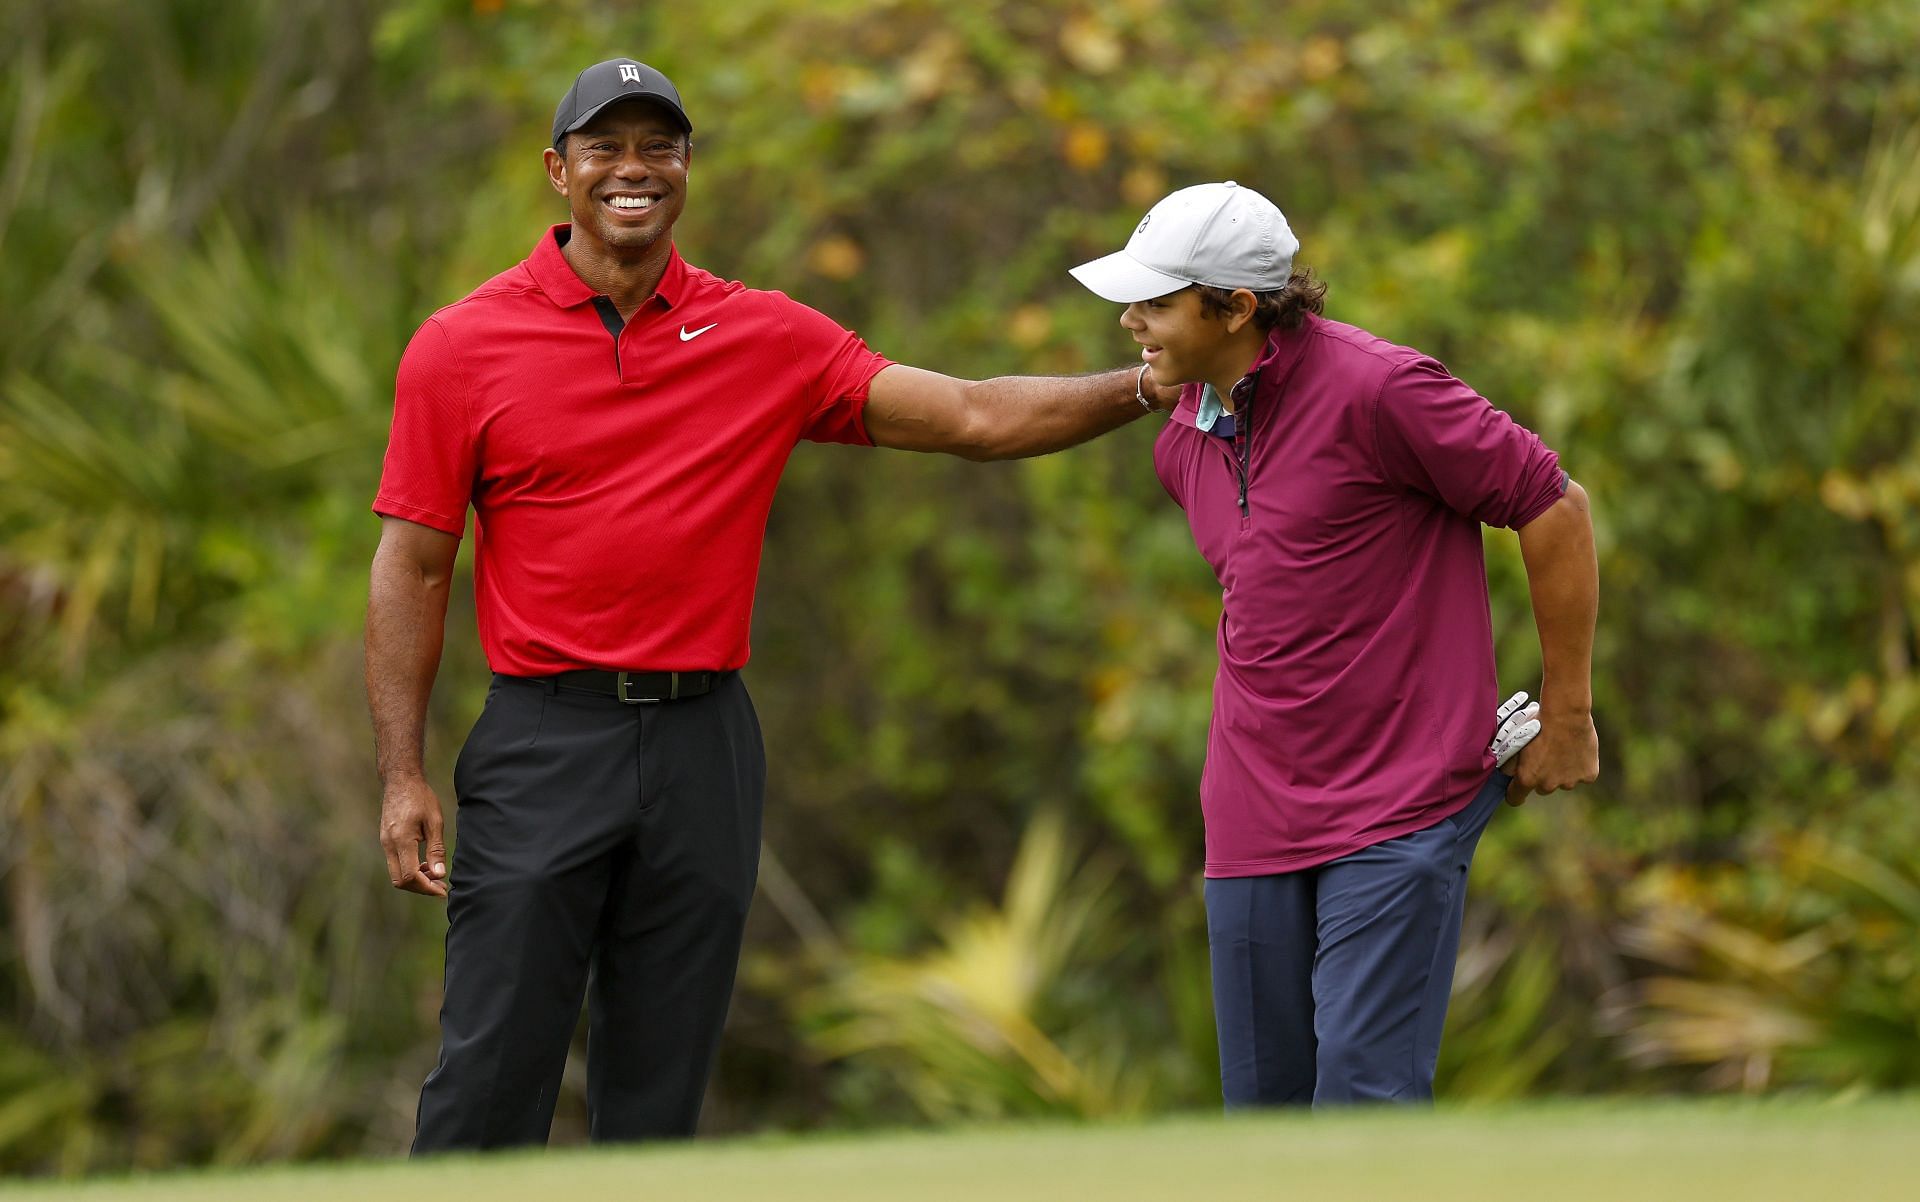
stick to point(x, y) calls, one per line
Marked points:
point(604, 83)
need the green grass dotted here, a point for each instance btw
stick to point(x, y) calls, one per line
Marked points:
point(1564, 1152)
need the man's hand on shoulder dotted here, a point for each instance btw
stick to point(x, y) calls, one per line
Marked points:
point(1008, 417)
point(1162, 400)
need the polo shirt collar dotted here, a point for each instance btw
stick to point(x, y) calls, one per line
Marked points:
point(563, 287)
point(1275, 363)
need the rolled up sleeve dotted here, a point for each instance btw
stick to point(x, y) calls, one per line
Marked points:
point(1435, 435)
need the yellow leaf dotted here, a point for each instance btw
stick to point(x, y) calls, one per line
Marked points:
point(1321, 57)
point(1089, 45)
point(1030, 326)
point(1141, 186)
point(820, 85)
point(1846, 495)
point(836, 257)
point(931, 69)
point(1085, 146)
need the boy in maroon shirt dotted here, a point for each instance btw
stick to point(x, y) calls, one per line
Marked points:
point(1337, 484)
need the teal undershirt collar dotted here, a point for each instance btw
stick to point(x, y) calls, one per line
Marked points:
point(1210, 408)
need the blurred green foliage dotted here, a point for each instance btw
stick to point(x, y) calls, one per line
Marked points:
point(1681, 240)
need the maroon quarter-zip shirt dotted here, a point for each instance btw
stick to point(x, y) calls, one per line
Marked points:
point(1356, 688)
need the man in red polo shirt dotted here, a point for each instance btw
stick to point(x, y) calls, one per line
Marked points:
point(1337, 485)
point(618, 420)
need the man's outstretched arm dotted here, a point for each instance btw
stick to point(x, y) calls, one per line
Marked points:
point(406, 619)
point(1563, 575)
point(1010, 417)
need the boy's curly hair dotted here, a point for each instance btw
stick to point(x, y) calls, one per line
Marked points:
point(1285, 307)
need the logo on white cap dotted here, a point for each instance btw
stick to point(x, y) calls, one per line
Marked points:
point(629, 73)
point(1220, 234)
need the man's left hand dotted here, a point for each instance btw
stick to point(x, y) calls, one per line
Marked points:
point(1163, 400)
point(1564, 755)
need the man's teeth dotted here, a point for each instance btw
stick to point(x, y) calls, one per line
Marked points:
point(631, 202)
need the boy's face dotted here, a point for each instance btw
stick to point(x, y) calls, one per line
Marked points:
point(1182, 343)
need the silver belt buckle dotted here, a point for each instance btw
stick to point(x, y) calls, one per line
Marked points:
point(673, 691)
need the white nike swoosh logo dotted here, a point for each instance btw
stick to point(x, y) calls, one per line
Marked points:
point(689, 336)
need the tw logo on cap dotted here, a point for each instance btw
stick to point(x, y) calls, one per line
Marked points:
point(629, 73)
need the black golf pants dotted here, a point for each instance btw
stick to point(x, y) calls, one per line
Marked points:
point(604, 849)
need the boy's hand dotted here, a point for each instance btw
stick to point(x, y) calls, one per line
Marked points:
point(1566, 756)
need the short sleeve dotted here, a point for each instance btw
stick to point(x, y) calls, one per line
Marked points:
point(428, 475)
point(1435, 435)
point(836, 368)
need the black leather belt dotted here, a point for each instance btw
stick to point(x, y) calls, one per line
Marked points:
point(637, 688)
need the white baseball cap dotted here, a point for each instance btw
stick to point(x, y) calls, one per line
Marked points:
point(1222, 235)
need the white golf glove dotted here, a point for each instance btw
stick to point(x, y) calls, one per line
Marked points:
point(1518, 722)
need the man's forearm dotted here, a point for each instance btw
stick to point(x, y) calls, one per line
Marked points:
point(406, 620)
point(1563, 576)
point(1019, 416)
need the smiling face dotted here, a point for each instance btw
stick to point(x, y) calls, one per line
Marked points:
point(1180, 342)
point(624, 175)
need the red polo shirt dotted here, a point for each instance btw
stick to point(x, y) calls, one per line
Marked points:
point(620, 484)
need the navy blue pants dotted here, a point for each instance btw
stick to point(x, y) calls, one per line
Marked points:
point(1330, 984)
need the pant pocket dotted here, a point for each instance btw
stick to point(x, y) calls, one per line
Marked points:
point(1466, 821)
point(1469, 824)
point(539, 718)
point(461, 762)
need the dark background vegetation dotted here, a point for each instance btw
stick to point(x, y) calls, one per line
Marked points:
point(1679, 239)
